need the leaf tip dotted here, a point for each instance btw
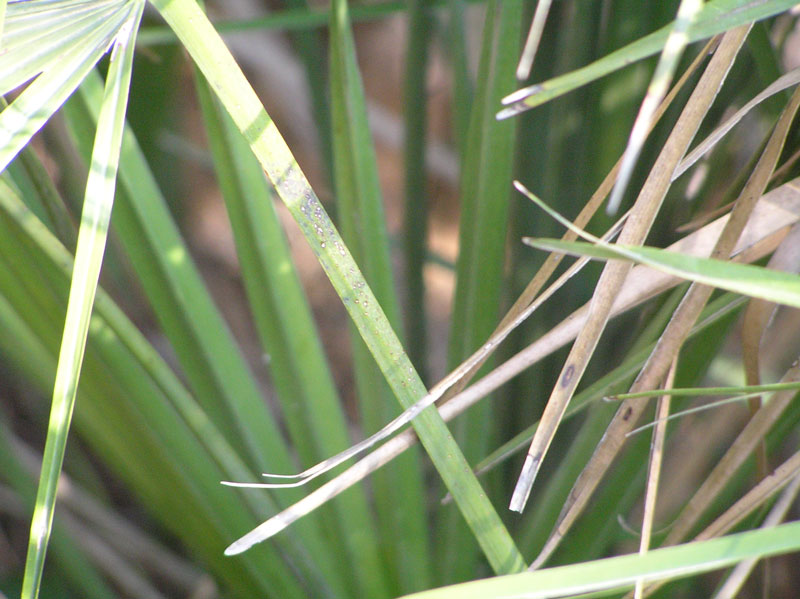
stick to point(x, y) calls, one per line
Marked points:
point(524, 484)
point(514, 110)
point(521, 94)
point(236, 548)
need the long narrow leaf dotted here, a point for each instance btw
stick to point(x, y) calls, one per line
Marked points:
point(415, 233)
point(621, 572)
point(37, 40)
point(215, 369)
point(636, 228)
point(363, 224)
point(674, 46)
point(716, 17)
point(135, 412)
point(210, 359)
point(300, 374)
point(34, 106)
point(92, 235)
point(753, 281)
point(486, 174)
point(227, 79)
point(785, 81)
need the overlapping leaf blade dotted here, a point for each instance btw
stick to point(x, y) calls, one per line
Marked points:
point(211, 56)
point(98, 200)
point(716, 17)
point(363, 223)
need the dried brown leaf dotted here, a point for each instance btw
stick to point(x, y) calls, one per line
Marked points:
point(673, 337)
point(634, 233)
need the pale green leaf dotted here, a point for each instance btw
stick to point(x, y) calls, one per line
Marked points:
point(622, 572)
point(716, 17)
point(754, 281)
point(98, 200)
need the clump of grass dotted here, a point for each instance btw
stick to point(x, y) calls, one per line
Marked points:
point(165, 426)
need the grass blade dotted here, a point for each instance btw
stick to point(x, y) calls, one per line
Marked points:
point(779, 208)
point(636, 228)
point(420, 25)
point(311, 49)
point(674, 46)
point(654, 472)
point(621, 572)
point(463, 86)
point(160, 433)
point(753, 281)
point(213, 364)
point(533, 39)
point(740, 449)
point(209, 357)
point(685, 316)
point(485, 176)
point(750, 501)
point(88, 258)
point(716, 17)
point(783, 82)
point(363, 225)
point(285, 326)
point(67, 555)
point(732, 585)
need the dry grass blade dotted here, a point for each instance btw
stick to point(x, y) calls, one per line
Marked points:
point(754, 324)
point(748, 503)
point(730, 589)
point(458, 375)
point(672, 338)
point(456, 381)
point(243, 105)
point(584, 216)
point(742, 447)
point(768, 226)
point(786, 166)
point(753, 499)
point(614, 273)
point(786, 81)
point(654, 471)
point(757, 182)
point(759, 312)
point(533, 39)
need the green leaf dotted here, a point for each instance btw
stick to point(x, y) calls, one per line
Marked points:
point(415, 229)
point(300, 373)
point(215, 369)
point(485, 178)
point(241, 102)
point(754, 281)
point(622, 572)
point(363, 224)
point(92, 234)
point(133, 410)
point(716, 17)
point(208, 355)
